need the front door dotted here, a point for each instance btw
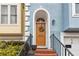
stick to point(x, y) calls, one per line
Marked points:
point(40, 32)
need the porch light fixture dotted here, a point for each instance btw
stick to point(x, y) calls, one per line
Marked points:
point(53, 22)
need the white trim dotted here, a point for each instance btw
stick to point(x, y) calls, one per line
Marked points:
point(27, 4)
point(26, 29)
point(62, 40)
point(41, 46)
point(27, 13)
point(73, 11)
point(0, 13)
point(8, 3)
point(8, 14)
point(27, 23)
point(26, 9)
point(47, 30)
point(27, 33)
point(18, 13)
point(26, 19)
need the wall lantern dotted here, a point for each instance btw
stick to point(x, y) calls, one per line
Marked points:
point(53, 22)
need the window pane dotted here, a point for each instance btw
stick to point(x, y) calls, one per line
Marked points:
point(13, 20)
point(13, 14)
point(4, 14)
point(13, 10)
point(4, 19)
point(77, 8)
point(4, 9)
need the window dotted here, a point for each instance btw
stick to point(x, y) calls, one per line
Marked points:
point(8, 14)
point(75, 9)
point(4, 14)
point(13, 14)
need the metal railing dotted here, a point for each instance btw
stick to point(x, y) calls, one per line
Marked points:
point(26, 47)
point(58, 46)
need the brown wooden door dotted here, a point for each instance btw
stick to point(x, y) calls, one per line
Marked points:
point(40, 32)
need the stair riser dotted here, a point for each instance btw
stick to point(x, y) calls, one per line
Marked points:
point(44, 52)
point(46, 55)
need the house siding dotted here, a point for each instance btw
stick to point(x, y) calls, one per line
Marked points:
point(26, 22)
point(74, 21)
point(70, 22)
point(62, 14)
point(10, 32)
point(65, 16)
point(55, 11)
point(12, 28)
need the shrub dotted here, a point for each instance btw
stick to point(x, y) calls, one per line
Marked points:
point(10, 48)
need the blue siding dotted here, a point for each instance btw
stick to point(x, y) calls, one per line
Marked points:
point(70, 22)
point(61, 13)
point(65, 16)
point(73, 21)
point(55, 11)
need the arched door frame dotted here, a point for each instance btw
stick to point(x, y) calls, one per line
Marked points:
point(48, 43)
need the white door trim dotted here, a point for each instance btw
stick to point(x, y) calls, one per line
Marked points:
point(48, 43)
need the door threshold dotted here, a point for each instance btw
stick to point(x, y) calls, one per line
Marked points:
point(41, 46)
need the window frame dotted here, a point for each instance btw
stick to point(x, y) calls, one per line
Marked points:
point(12, 15)
point(74, 14)
point(9, 7)
point(2, 14)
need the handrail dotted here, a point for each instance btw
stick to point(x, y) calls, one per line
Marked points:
point(26, 47)
point(61, 44)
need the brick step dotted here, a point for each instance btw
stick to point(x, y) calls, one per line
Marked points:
point(45, 52)
point(49, 52)
point(43, 49)
point(38, 54)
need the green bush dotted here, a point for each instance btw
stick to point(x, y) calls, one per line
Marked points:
point(3, 45)
point(10, 48)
